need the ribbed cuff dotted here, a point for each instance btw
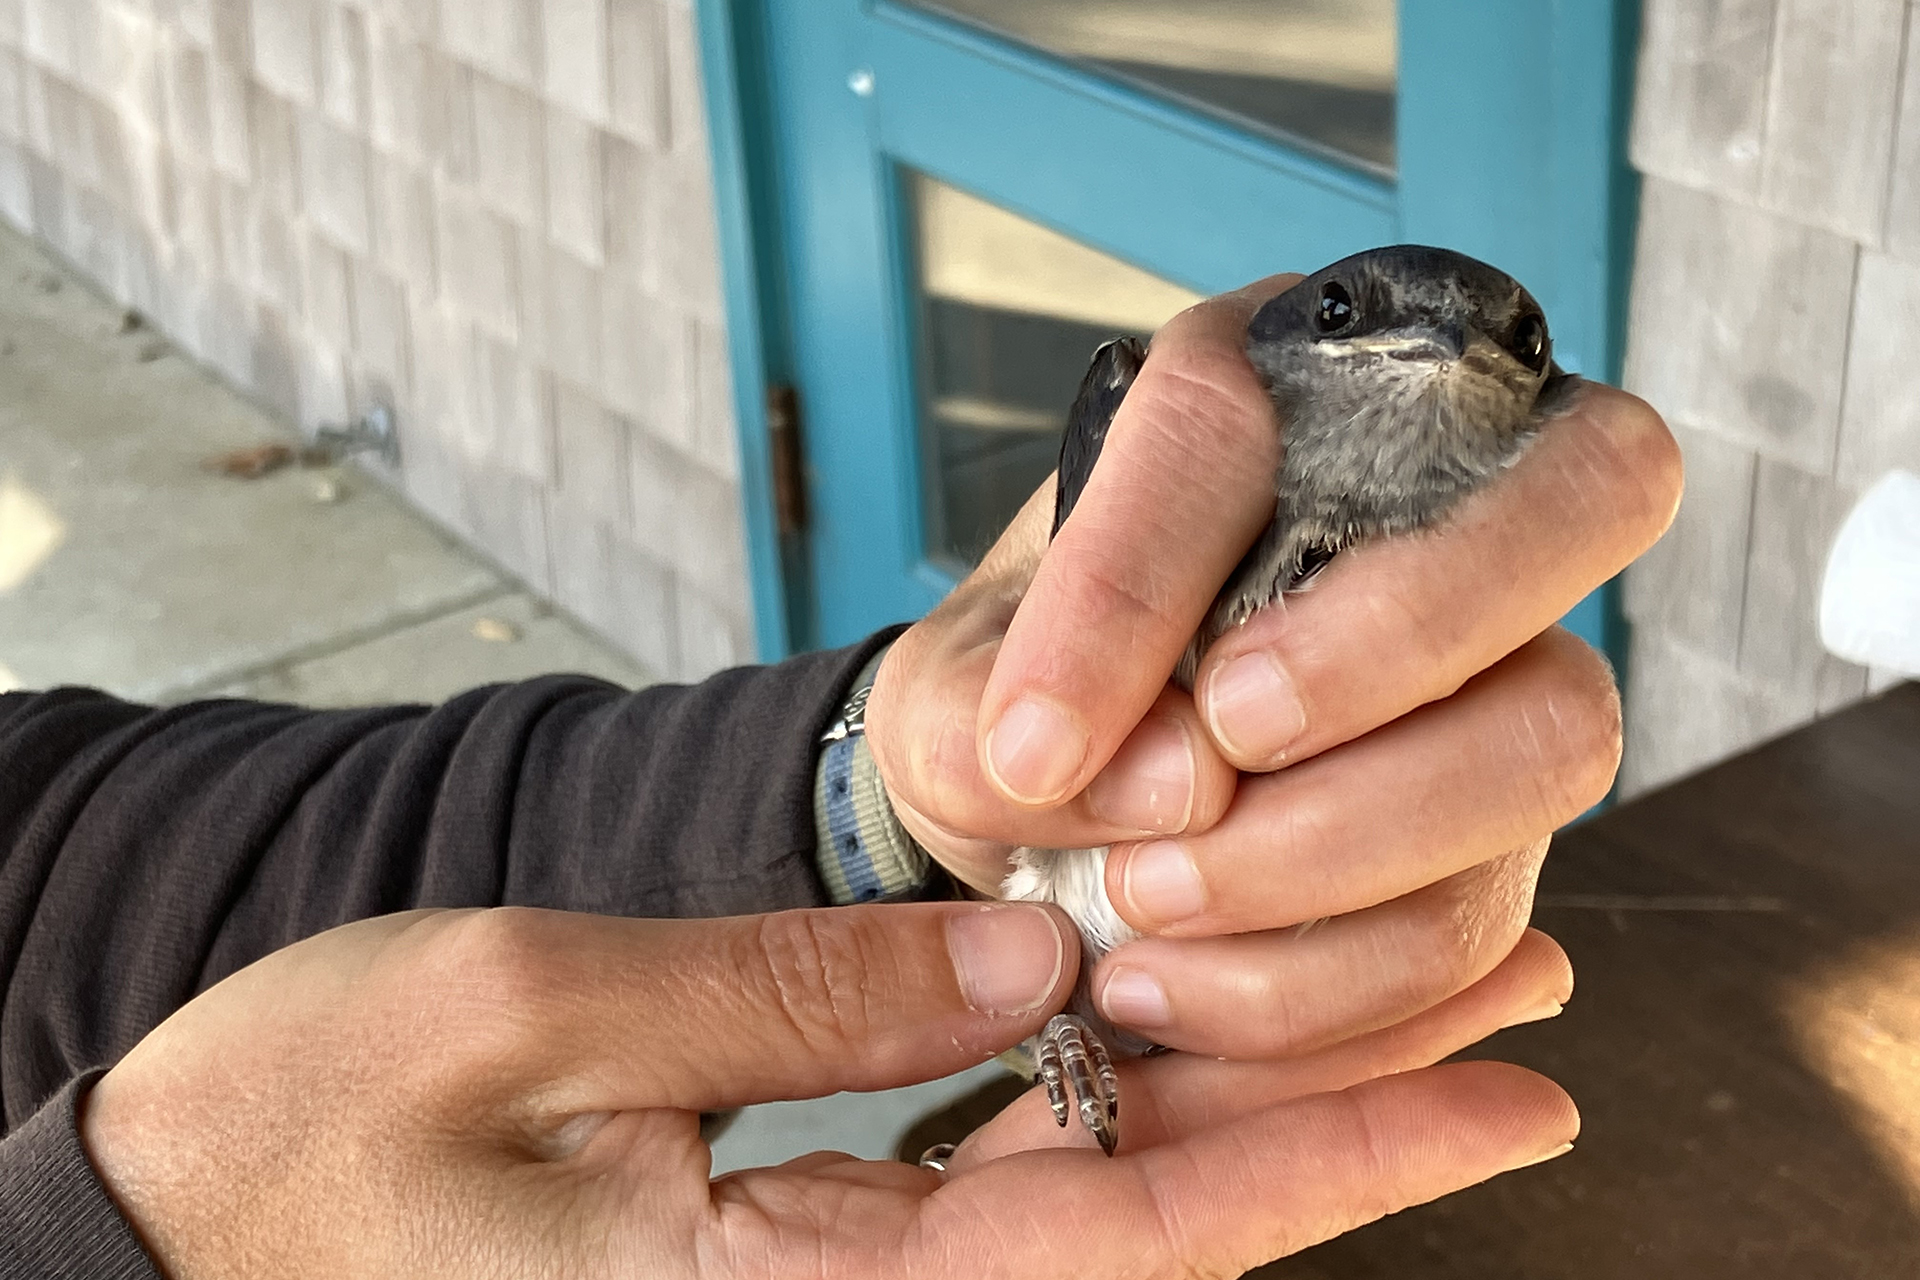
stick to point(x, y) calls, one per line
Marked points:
point(56, 1219)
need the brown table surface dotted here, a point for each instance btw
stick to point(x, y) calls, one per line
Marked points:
point(1749, 1076)
point(1743, 1040)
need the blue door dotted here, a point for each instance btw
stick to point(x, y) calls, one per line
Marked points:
point(931, 212)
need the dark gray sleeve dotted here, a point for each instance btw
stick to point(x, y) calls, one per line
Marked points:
point(56, 1220)
point(147, 853)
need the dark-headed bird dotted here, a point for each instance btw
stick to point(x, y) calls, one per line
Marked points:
point(1402, 379)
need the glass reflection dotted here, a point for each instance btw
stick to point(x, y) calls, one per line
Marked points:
point(1010, 313)
point(1323, 71)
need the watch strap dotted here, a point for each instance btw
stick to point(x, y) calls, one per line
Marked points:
point(863, 853)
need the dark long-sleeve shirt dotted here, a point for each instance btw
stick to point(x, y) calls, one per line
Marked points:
point(146, 853)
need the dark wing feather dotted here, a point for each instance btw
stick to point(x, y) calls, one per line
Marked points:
point(1556, 394)
point(1115, 365)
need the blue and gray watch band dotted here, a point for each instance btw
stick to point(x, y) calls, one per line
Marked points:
point(864, 854)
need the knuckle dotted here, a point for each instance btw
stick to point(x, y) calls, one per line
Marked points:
point(498, 956)
point(1652, 454)
point(1113, 615)
point(1473, 919)
point(947, 782)
point(1374, 1159)
point(1275, 1020)
point(1424, 642)
point(485, 986)
point(1211, 426)
point(821, 973)
point(923, 747)
point(1461, 927)
point(1204, 415)
point(1579, 715)
point(1638, 465)
point(1309, 835)
point(1111, 599)
point(1213, 389)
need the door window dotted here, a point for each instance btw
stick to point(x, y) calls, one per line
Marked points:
point(1316, 71)
point(1009, 315)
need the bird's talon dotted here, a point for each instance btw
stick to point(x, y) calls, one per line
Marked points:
point(1076, 1069)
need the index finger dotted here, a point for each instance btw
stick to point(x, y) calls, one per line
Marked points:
point(1183, 486)
point(1271, 1183)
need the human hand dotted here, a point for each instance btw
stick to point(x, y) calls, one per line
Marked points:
point(1429, 724)
point(516, 1092)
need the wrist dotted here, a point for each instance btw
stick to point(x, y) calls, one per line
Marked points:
point(863, 853)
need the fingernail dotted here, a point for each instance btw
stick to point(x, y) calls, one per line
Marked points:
point(1161, 883)
point(1007, 958)
point(1547, 1008)
point(1035, 751)
point(1132, 998)
point(1253, 708)
point(1554, 1154)
point(1148, 785)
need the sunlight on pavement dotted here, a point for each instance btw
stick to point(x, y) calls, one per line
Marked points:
point(29, 533)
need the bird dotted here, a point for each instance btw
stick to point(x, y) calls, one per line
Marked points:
point(1402, 378)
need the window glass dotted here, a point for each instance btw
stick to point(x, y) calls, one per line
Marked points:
point(1009, 315)
point(1319, 71)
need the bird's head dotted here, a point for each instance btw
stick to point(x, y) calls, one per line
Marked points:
point(1412, 334)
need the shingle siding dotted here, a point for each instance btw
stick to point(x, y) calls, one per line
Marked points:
point(476, 211)
point(1776, 305)
point(495, 215)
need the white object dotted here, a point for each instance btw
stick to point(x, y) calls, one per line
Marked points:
point(1870, 599)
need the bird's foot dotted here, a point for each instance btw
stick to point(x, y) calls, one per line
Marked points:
point(1075, 1067)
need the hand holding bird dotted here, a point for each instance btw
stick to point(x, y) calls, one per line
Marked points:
point(1436, 724)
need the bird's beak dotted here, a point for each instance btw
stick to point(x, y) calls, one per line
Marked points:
point(1437, 343)
point(1487, 356)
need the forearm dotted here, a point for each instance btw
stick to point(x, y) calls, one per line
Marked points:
point(145, 854)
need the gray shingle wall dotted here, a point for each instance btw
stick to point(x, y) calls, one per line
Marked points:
point(494, 215)
point(1776, 302)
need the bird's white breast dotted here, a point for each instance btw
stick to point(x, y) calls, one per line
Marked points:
point(1075, 879)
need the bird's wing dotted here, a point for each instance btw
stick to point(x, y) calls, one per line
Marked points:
point(1115, 365)
point(1557, 393)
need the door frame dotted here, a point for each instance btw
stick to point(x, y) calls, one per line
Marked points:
point(1582, 50)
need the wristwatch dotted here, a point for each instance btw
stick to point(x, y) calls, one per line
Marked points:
point(864, 854)
point(853, 716)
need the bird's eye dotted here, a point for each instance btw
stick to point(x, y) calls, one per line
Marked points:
point(1529, 343)
point(1336, 308)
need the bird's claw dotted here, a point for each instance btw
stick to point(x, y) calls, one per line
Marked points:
point(1075, 1067)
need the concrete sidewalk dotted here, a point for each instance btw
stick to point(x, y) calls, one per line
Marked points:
point(128, 565)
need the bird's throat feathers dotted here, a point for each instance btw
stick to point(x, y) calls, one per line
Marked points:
point(1385, 444)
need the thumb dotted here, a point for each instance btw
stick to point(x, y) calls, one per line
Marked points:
point(706, 1014)
point(1183, 487)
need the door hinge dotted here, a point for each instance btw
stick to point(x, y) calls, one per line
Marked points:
point(783, 447)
